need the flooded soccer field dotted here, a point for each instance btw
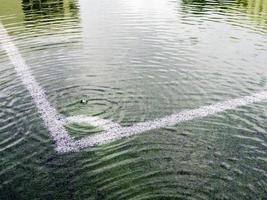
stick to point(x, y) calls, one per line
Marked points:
point(133, 99)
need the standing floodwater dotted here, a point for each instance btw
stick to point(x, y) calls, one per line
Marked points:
point(134, 61)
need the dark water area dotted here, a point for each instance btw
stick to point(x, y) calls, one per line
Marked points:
point(133, 61)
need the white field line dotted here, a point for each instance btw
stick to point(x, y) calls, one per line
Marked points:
point(113, 131)
point(94, 121)
point(48, 113)
point(142, 127)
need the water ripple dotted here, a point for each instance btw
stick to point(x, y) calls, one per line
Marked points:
point(133, 61)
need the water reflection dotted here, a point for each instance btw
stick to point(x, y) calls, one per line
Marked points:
point(46, 9)
point(44, 6)
point(32, 11)
point(253, 10)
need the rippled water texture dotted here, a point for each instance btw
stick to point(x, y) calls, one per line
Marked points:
point(133, 61)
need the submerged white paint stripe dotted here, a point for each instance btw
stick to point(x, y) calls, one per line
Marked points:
point(94, 121)
point(139, 128)
point(113, 131)
point(48, 113)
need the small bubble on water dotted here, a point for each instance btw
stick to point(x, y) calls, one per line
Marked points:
point(83, 101)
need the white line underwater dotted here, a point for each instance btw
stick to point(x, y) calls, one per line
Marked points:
point(174, 119)
point(48, 113)
point(112, 131)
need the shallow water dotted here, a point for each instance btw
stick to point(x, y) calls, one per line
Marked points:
point(133, 61)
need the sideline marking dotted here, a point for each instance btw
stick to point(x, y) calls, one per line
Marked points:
point(113, 131)
point(48, 113)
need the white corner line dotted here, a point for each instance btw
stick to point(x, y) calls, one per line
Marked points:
point(112, 131)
